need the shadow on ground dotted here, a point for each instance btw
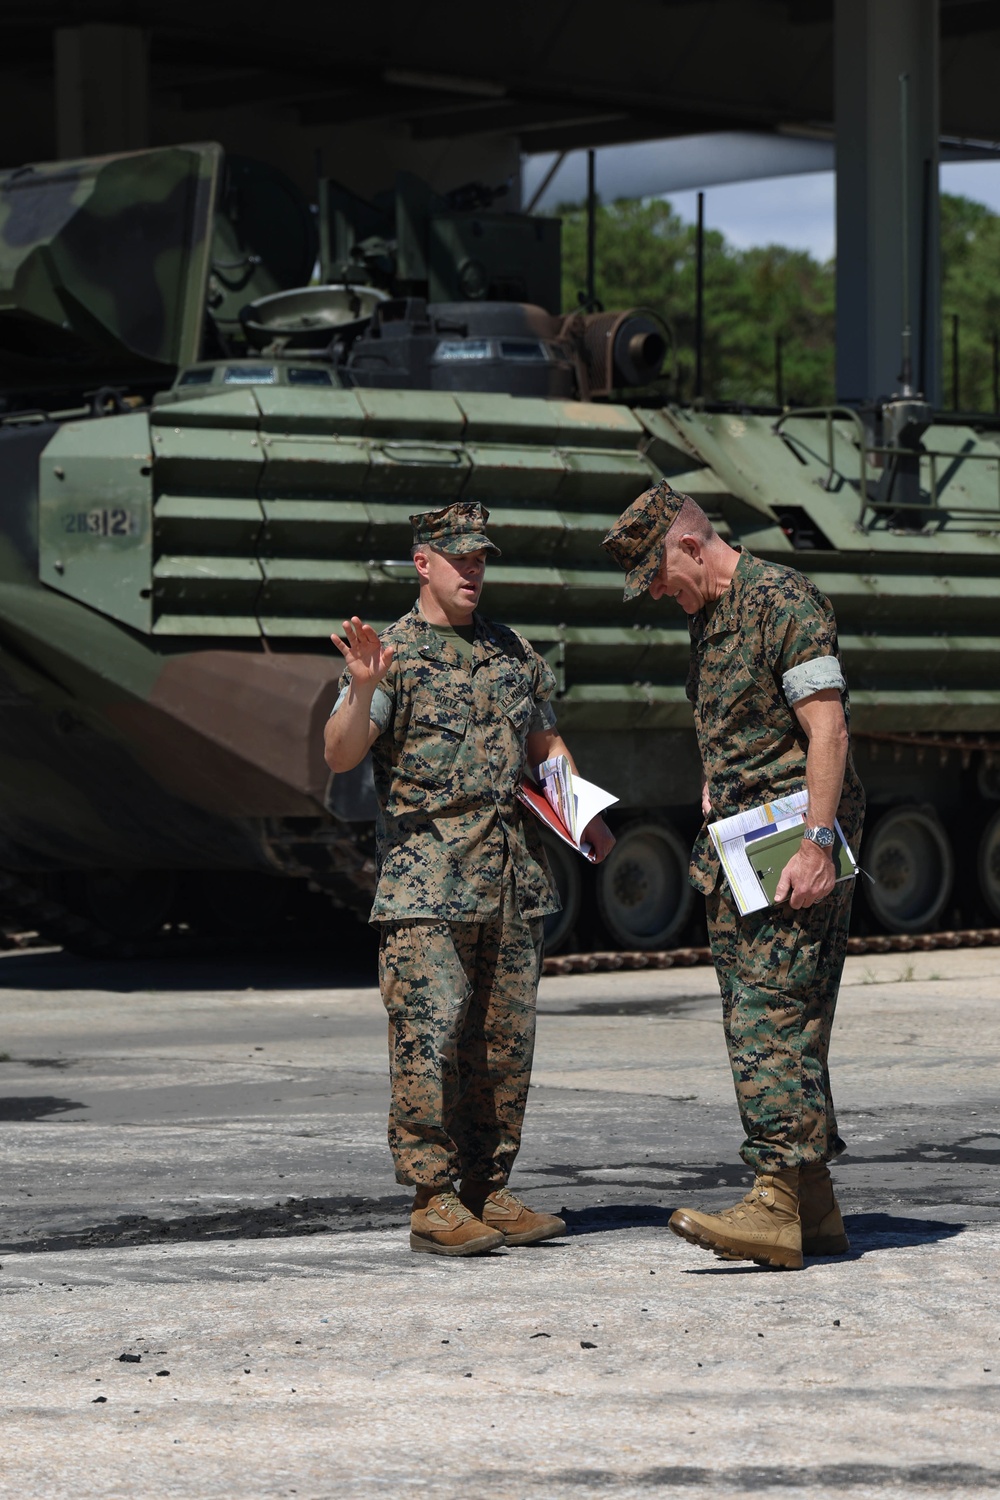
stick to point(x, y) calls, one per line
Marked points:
point(930, 1479)
point(868, 1233)
point(299, 1217)
point(872, 1232)
point(27, 1107)
point(293, 1218)
point(341, 965)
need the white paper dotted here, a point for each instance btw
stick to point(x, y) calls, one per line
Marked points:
point(729, 835)
point(575, 800)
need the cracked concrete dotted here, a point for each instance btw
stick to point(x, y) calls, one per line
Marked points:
point(195, 1173)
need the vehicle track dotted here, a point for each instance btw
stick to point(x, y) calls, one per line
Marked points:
point(882, 942)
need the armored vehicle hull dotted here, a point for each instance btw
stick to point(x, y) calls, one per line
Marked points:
point(170, 570)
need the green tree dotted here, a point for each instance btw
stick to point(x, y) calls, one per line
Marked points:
point(646, 256)
point(970, 259)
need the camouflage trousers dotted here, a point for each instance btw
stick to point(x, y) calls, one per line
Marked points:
point(779, 973)
point(461, 1003)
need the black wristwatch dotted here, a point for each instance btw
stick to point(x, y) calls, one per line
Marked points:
point(824, 837)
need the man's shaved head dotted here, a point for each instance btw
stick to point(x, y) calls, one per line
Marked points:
point(690, 520)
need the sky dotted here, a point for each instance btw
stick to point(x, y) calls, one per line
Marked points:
point(799, 211)
point(738, 171)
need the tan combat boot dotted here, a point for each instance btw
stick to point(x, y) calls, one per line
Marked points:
point(441, 1225)
point(764, 1228)
point(496, 1205)
point(823, 1230)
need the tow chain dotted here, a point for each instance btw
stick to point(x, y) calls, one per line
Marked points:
point(29, 916)
point(897, 942)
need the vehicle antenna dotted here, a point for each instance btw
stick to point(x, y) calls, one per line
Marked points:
point(906, 368)
point(591, 231)
point(699, 297)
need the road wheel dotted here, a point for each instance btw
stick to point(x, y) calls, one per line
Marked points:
point(643, 894)
point(126, 906)
point(988, 865)
point(909, 858)
point(567, 872)
point(238, 903)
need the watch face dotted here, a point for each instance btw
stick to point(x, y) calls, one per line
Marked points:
point(824, 837)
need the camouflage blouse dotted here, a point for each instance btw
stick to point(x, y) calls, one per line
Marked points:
point(447, 764)
point(770, 641)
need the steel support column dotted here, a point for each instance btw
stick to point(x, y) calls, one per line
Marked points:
point(102, 89)
point(888, 266)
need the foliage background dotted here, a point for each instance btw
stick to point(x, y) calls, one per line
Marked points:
point(646, 255)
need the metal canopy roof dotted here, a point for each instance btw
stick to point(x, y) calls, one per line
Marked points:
point(553, 74)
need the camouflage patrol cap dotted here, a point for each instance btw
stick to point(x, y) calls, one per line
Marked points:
point(455, 528)
point(635, 541)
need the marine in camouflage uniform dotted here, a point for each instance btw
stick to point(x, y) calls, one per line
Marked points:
point(762, 646)
point(463, 886)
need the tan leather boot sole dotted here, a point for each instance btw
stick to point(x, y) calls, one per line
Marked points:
point(519, 1224)
point(444, 1226)
point(764, 1228)
point(778, 1252)
point(426, 1245)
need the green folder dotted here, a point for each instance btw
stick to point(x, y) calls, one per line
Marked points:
point(770, 853)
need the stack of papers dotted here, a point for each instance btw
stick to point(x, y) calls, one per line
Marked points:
point(556, 780)
point(755, 847)
point(564, 802)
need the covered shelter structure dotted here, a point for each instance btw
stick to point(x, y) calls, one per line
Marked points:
point(451, 96)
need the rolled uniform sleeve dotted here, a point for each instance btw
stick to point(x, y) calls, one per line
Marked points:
point(543, 715)
point(801, 644)
point(382, 704)
point(812, 677)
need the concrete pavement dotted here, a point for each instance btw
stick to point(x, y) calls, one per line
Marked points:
point(194, 1172)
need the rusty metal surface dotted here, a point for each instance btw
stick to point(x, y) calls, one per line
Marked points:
point(265, 711)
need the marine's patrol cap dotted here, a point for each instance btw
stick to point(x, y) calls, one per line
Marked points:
point(455, 528)
point(635, 541)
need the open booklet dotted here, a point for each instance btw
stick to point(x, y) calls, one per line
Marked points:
point(565, 803)
point(755, 847)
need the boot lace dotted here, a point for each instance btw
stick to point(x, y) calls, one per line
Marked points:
point(506, 1197)
point(745, 1208)
point(452, 1205)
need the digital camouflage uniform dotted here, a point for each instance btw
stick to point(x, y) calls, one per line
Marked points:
point(768, 642)
point(463, 886)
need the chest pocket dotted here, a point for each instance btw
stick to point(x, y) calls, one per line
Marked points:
point(517, 710)
point(434, 736)
point(731, 676)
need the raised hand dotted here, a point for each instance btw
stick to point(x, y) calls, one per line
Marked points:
point(362, 651)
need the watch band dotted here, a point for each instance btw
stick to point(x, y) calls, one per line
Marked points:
point(824, 837)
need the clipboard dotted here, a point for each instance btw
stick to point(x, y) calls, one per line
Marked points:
point(769, 854)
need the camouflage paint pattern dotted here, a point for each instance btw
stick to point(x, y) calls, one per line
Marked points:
point(447, 766)
point(752, 746)
point(779, 973)
point(461, 1003)
point(104, 264)
point(779, 970)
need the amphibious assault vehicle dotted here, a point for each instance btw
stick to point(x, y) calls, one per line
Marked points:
point(206, 462)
